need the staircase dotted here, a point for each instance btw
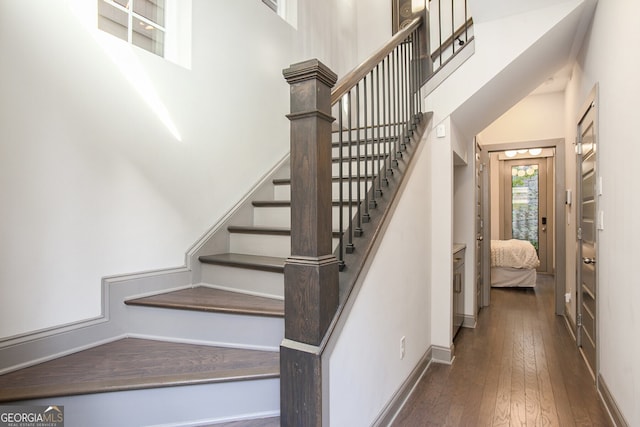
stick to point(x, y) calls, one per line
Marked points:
point(226, 370)
point(208, 352)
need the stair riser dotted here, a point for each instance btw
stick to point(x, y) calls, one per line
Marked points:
point(184, 405)
point(235, 330)
point(262, 244)
point(253, 281)
point(281, 216)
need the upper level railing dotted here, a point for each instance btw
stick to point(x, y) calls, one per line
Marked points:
point(450, 29)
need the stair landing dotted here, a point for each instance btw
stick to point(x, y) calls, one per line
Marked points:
point(131, 363)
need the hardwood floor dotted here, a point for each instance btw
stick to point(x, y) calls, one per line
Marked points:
point(520, 366)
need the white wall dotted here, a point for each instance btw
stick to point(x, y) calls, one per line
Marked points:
point(93, 182)
point(365, 367)
point(464, 215)
point(441, 234)
point(536, 117)
point(604, 62)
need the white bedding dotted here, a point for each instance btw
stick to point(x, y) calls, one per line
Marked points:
point(514, 254)
point(513, 277)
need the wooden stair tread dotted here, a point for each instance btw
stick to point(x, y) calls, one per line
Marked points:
point(203, 298)
point(131, 363)
point(256, 262)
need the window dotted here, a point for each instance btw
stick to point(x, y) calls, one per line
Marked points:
point(139, 22)
point(273, 4)
point(286, 9)
point(524, 202)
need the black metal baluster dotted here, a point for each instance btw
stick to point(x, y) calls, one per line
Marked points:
point(358, 228)
point(453, 29)
point(418, 76)
point(384, 170)
point(340, 195)
point(350, 247)
point(440, 31)
point(376, 159)
point(405, 90)
point(389, 153)
point(396, 99)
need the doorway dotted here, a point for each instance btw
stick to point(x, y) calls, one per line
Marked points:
point(555, 210)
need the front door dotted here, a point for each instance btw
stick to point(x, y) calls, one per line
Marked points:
point(526, 204)
point(586, 279)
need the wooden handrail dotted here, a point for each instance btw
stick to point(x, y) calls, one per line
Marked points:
point(348, 82)
point(450, 40)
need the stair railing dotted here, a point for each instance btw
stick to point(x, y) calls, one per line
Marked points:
point(378, 109)
point(451, 29)
point(377, 106)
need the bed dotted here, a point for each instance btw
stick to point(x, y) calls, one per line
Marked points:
point(513, 263)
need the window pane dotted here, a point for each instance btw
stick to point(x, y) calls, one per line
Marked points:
point(524, 201)
point(112, 20)
point(148, 37)
point(153, 10)
point(273, 4)
point(123, 3)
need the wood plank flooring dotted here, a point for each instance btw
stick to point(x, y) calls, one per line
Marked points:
point(132, 363)
point(520, 366)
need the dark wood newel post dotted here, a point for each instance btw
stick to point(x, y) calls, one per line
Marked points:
point(311, 272)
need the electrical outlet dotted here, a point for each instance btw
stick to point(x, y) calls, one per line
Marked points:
point(402, 347)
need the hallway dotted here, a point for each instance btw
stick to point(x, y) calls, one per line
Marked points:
point(520, 366)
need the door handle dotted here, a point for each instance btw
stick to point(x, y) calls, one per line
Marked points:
point(589, 260)
point(480, 238)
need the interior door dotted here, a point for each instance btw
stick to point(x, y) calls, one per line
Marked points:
point(525, 202)
point(480, 228)
point(587, 231)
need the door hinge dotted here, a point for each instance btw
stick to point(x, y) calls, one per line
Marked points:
point(580, 320)
point(578, 148)
point(579, 233)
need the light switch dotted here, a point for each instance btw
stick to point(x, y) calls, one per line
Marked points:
point(441, 131)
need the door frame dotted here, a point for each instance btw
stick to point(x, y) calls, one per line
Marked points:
point(558, 214)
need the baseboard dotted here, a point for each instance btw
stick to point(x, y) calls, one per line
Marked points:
point(469, 321)
point(443, 354)
point(610, 403)
point(29, 349)
point(40, 346)
point(399, 398)
point(571, 327)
